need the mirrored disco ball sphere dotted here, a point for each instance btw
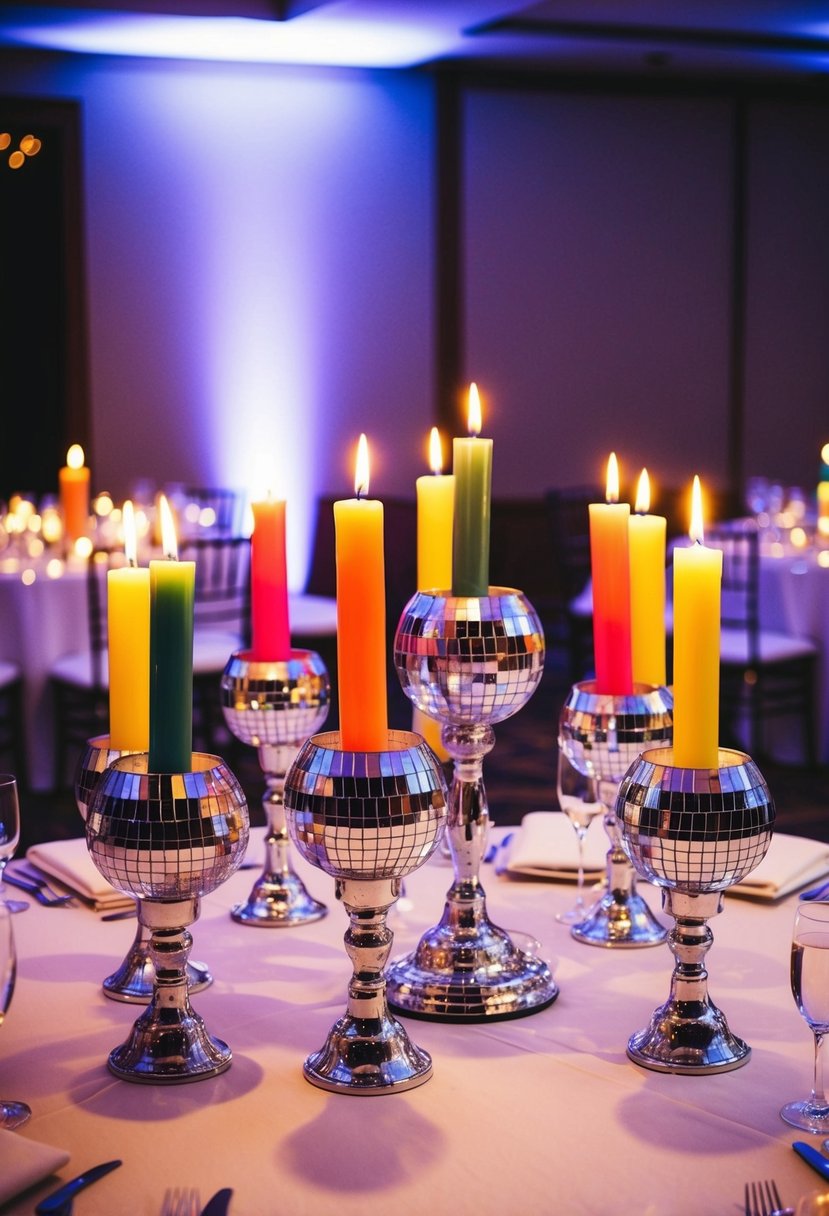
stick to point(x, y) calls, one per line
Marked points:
point(277, 701)
point(695, 830)
point(469, 659)
point(602, 733)
point(366, 815)
point(167, 835)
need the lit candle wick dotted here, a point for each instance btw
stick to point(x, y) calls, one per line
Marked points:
point(361, 473)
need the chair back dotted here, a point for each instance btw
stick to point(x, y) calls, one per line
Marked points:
point(739, 540)
point(569, 519)
point(101, 560)
point(222, 588)
point(227, 507)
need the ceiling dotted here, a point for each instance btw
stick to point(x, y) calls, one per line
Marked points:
point(714, 39)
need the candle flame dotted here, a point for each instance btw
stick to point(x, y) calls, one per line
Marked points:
point(74, 457)
point(361, 471)
point(169, 544)
point(435, 451)
point(473, 425)
point(643, 494)
point(130, 535)
point(696, 531)
point(612, 490)
point(824, 453)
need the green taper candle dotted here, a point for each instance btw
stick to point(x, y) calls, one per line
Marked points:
point(172, 588)
point(472, 467)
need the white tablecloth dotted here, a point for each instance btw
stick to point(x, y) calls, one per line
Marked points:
point(45, 619)
point(539, 1115)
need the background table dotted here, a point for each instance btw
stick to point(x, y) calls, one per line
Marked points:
point(47, 618)
point(539, 1115)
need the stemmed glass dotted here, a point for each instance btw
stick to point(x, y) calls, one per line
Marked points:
point(9, 834)
point(12, 1114)
point(578, 798)
point(810, 987)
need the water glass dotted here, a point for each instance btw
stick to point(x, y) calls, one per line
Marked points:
point(578, 797)
point(12, 1114)
point(810, 988)
point(9, 834)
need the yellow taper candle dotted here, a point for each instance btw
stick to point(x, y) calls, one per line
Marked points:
point(697, 590)
point(128, 627)
point(435, 522)
point(646, 548)
point(435, 514)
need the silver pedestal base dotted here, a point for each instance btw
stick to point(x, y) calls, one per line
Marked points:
point(466, 969)
point(278, 900)
point(368, 1056)
point(133, 982)
point(620, 920)
point(168, 1043)
point(690, 1037)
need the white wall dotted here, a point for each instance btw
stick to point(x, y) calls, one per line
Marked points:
point(259, 274)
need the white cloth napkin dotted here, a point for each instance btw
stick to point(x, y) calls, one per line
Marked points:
point(792, 862)
point(69, 862)
point(545, 846)
point(24, 1162)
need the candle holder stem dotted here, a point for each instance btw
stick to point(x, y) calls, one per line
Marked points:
point(689, 1034)
point(367, 1051)
point(466, 968)
point(134, 980)
point(620, 917)
point(169, 1042)
point(279, 896)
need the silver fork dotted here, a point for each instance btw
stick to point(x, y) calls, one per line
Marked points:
point(35, 875)
point(35, 887)
point(763, 1199)
point(181, 1201)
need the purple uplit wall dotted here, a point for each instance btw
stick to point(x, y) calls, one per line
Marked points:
point(258, 274)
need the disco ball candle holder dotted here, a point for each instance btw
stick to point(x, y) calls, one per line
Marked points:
point(168, 839)
point(274, 706)
point(133, 980)
point(602, 734)
point(469, 661)
point(368, 819)
point(693, 832)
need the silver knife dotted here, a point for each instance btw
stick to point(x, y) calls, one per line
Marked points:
point(816, 1159)
point(60, 1201)
point(218, 1205)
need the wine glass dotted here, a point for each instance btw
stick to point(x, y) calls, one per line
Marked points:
point(578, 797)
point(12, 1114)
point(810, 987)
point(9, 834)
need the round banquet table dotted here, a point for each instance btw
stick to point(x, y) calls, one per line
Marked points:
point(539, 1115)
point(46, 618)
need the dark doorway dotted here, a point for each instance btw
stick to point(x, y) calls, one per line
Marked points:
point(44, 387)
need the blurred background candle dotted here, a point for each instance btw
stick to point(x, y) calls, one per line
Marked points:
point(646, 539)
point(128, 630)
point(73, 484)
point(610, 570)
point(270, 624)
point(435, 521)
point(361, 616)
point(172, 589)
point(697, 590)
point(472, 466)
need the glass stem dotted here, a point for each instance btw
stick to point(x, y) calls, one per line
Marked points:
point(4, 861)
point(580, 834)
point(818, 1095)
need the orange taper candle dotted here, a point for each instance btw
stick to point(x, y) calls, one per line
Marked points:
point(73, 483)
point(361, 616)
